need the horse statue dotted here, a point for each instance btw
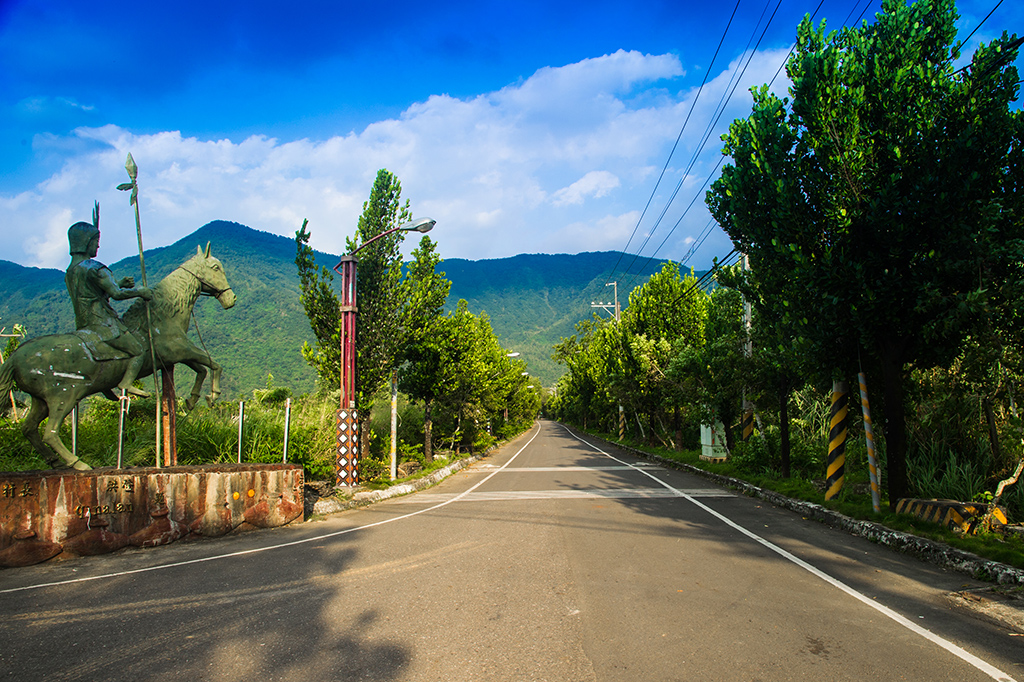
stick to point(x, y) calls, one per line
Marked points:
point(59, 370)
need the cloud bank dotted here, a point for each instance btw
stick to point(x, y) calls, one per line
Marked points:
point(561, 162)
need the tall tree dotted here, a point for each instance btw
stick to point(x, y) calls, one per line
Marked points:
point(380, 293)
point(582, 392)
point(380, 298)
point(323, 309)
point(714, 364)
point(665, 311)
point(426, 290)
point(871, 206)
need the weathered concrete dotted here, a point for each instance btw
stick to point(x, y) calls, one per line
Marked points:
point(102, 510)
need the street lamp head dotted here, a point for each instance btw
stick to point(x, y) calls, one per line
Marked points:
point(418, 225)
point(514, 354)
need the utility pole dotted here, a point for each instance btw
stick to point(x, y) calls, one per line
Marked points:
point(747, 429)
point(394, 424)
point(616, 311)
point(612, 308)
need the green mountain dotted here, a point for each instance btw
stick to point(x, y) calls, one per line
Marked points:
point(532, 301)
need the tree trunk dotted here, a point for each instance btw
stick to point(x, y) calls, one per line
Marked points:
point(677, 426)
point(784, 427)
point(730, 437)
point(993, 432)
point(363, 422)
point(428, 443)
point(896, 425)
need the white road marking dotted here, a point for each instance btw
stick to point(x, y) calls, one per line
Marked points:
point(519, 470)
point(963, 654)
point(588, 493)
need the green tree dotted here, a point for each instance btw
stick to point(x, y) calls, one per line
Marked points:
point(666, 311)
point(426, 290)
point(323, 309)
point(461, 375)
point(713, 372)
point(871, 206)
point(380, 293)
point(380, 298)
point(582, 394)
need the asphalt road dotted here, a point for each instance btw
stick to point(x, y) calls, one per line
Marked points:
point(553, 559)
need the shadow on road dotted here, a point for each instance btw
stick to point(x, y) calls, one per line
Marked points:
point(260, 616)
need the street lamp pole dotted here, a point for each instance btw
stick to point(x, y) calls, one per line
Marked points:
point(346, 455)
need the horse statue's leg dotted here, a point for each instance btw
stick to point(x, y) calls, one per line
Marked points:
point(199, 362)
point(214, 382)
point(30, 429)
point(197, 386)
point(51, 435)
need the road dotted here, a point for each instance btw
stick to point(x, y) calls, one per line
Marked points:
point(553, 559)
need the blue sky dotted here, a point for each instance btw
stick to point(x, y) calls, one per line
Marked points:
point(527, 127)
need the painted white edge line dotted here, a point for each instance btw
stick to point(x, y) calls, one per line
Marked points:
point(981, 665)
point(293, 543)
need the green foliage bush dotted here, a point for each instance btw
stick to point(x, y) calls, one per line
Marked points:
point(762, 454)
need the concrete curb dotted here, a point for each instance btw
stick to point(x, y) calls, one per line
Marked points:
point(332, 505)
point(922, 548)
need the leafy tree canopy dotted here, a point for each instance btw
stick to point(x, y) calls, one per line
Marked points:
point(875, 205)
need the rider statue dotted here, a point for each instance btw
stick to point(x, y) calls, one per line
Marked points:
point(91, 286)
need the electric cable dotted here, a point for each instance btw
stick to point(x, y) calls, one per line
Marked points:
point(716, 117)
point(720, 111)
point(971, 34)
point(693, 105)
point(726, 96)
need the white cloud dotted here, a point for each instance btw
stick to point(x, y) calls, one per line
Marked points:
point(595, 183)
point(505, 172)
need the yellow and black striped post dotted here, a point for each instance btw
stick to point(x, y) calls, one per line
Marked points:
point(837, 439)
point(622, 423)
point(869, 437)
point(747, 423)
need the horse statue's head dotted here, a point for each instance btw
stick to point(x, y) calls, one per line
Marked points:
point(210, 273)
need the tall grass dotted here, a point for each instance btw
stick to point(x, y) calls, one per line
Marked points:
point(209, 435)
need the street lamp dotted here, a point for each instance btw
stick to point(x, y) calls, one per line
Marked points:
point(346, 455)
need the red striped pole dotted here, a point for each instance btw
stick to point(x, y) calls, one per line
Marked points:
point(346, 461)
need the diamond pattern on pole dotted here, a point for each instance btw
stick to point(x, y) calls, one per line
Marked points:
point(346, 468)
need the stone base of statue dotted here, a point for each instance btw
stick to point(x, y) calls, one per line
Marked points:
point(60, 513)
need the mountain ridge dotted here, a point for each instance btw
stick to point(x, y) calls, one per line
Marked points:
point(532, 301)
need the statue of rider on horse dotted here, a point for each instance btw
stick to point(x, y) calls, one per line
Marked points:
point(108, 352)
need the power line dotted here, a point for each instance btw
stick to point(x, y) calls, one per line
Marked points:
point(696, 154)
point(693, 105)
point(971, 34)
point(720, 111)
point(706, 277)
point(680, 220)
point(820, 3)
point(716, 117)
